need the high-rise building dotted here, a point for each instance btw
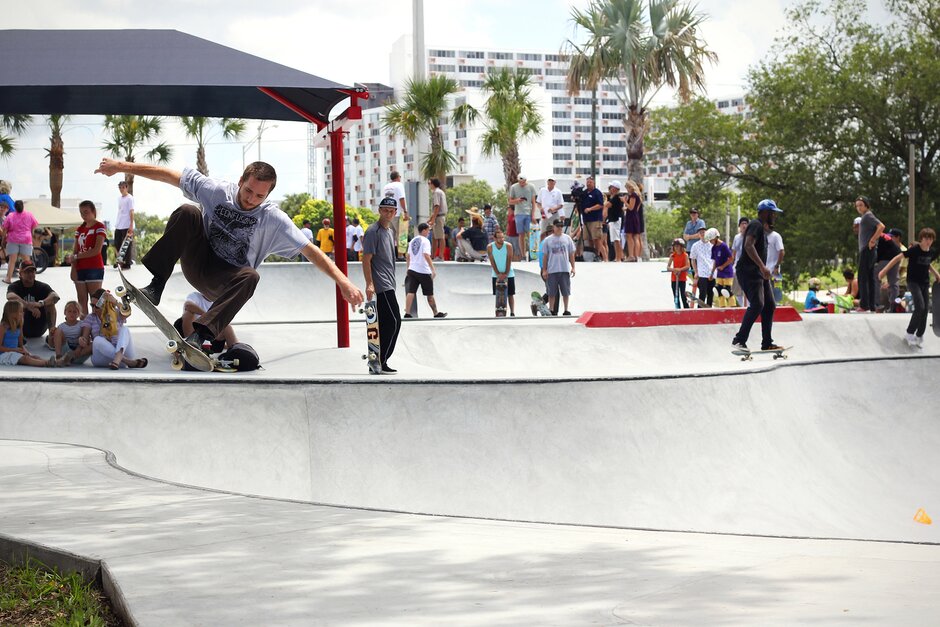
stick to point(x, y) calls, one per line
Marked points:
point(564, 149)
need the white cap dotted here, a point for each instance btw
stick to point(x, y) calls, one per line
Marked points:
point(857, 220)
point(616, 184)
point(711, 234)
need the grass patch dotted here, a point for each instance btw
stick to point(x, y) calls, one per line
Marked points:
point(34, 595)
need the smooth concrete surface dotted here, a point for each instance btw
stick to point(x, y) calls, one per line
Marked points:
point(188, 557)
point(525, 419)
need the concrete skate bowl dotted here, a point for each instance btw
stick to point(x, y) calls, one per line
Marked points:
point(833, 450)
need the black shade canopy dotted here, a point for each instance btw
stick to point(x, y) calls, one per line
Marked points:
point(150, 72)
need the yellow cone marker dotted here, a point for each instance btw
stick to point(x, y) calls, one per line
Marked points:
point(922, 517)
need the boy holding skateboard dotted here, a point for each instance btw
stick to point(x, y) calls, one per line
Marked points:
point(500, 255)
point(378, 269)
point(920, 256)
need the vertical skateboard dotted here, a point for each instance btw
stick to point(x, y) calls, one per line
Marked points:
point(373, 348)
point(501, 287)
point(402, 235)
point(124, 250)
point(540, 305)
point(535, 234)
point(179, 348)
point(935, 307)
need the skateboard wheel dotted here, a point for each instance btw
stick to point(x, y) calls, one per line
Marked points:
point(125, 310)
point(365, 356)
point(171, 346)
point(120, 290)
point(176, 363)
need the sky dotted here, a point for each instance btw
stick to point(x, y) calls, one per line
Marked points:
point(339, 40)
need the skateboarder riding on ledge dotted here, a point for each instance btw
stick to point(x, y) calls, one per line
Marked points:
point(222, 241)
point(755, 278)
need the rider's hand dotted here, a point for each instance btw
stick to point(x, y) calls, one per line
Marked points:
point(108, 167)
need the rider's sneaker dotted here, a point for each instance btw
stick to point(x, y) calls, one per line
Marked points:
point(920, 340)
point(154, 291)
point(407, 315)
point(440, 314)
point(741, 346)
point(772, 347)
point(911, 340)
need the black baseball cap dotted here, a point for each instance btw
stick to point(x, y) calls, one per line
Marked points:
point(558, 222)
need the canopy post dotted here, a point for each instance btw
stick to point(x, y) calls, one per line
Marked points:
point(339, 230)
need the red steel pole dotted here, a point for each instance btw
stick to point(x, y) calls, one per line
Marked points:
point(339, 231)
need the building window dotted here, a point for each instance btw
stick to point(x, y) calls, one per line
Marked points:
point(442, 53)
point(612, 116)
point(582, 129)
point(582, 143)
point(556, 57)
point(562, 156)
point(555, 86)
point(675, 168)
point(616, 156)
point(461, 133)
point(528, 56)
point(616, 130)
point(616, 171)
point(582, 101)
point(562, 171)
point(473, 69)
point(471, 83)
point(408, 158)
point(619, 144)
point(560, 100)
point(722, 104)
point(437, 67)
point(561, 128)
point(552, 71)
point(561, 142)
point(531, 71)
point(583, 170)
point(561, 114)
point(472, 54)
point(500, 55)
point(610, 102)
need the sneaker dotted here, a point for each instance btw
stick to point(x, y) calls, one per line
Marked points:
point(387, 370)
point(440, 314)
point(567, 313)
point(911, 340)
point(741, 346)
point(407, 315)
point(772, 347)
point(920, 340)
point(154, 291)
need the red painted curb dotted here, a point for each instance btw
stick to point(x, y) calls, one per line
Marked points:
point(600, 319)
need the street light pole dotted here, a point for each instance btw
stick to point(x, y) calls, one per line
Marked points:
point(911, 138)
point(257, 139)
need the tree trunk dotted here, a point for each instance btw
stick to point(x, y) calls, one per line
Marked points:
point(56, 166)
point(201, 164)
point(437, 148)
point(636, 124)
point(511, 165)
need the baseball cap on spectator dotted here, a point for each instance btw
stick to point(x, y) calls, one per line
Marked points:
point(326, 220)
point(693, 210)
point(558, 222)
point(857, 220)
point(27, 264)
point(616, 184)
point(388, 202)
point(711, 234)
point(551, 178)
point(895, 233)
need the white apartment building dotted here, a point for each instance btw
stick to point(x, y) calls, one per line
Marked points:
point(563, 150)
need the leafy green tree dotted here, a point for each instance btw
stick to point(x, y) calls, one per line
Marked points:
point(128, 133)
point(422, 111)
point(315, 210)
point(830, 108)
point(475, 194)
point(15, 125)
point(511, 115)
point(56, 154)
point(147, 229)
point(293, 203)
point(637, 53)
point(200, 129)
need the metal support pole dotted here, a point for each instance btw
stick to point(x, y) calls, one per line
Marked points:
point(910, 201)
point(339, 232)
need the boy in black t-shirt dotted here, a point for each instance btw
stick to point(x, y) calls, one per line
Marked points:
point(920, 255)
point(754, 278)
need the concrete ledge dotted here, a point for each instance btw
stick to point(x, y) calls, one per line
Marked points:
point(673, 317)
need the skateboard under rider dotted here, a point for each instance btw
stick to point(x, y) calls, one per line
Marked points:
point(373, 347)
point(179, 348)
point(748, 355)
point(501, 287)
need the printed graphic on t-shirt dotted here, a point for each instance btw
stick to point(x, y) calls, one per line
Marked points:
point(415, 247)
point(230, 233)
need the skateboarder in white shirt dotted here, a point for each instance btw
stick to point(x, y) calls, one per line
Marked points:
point(420, 271)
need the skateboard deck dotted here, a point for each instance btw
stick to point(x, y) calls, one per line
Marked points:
point(535, 234)
point(403, 234)
point(695, 299)
point(373, 347)
point(935, 308)
point(501, 286)
point(175, 345)
point(779, 353)
point(124, 249)
point(539, 306)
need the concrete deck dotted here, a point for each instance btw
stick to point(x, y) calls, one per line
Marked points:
point(522, 471)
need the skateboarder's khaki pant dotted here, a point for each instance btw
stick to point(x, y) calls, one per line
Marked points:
point(228, 286)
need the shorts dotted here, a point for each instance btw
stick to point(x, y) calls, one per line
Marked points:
point(438, 227)
point(595, 230)
point(547, 224)
point(20, 249)
point(414, 279)
point(559, 281)
point(9, 358)
point(613, 228)
point(510, 286)
point(523, 223)
point(90, 275)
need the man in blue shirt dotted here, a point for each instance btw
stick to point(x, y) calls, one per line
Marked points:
point(591, 206)
point(692, 231)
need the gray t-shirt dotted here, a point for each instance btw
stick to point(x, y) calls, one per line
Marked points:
point(242, 238)
point(556, 252)
point(527, 192)
point(866, 230)
point(440, 198)
point(380, 243)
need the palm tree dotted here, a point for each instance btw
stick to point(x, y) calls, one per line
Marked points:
point(128, 133)
point(423, 110)
point(56, 154)
point(15, 124)
point(198, 128)
point(512, 114)
point(637, 54)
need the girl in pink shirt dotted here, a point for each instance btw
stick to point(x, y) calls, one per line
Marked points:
point(18, 228)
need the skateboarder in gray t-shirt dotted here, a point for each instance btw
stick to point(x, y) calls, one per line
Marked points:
point(378, 268)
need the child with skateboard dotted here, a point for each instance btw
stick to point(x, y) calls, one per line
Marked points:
point(920, 256)
point(500, 255)
point(678, 266)
point(12, 350)
point(105, 337)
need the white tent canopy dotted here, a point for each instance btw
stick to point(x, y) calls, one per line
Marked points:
point(50, 216)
